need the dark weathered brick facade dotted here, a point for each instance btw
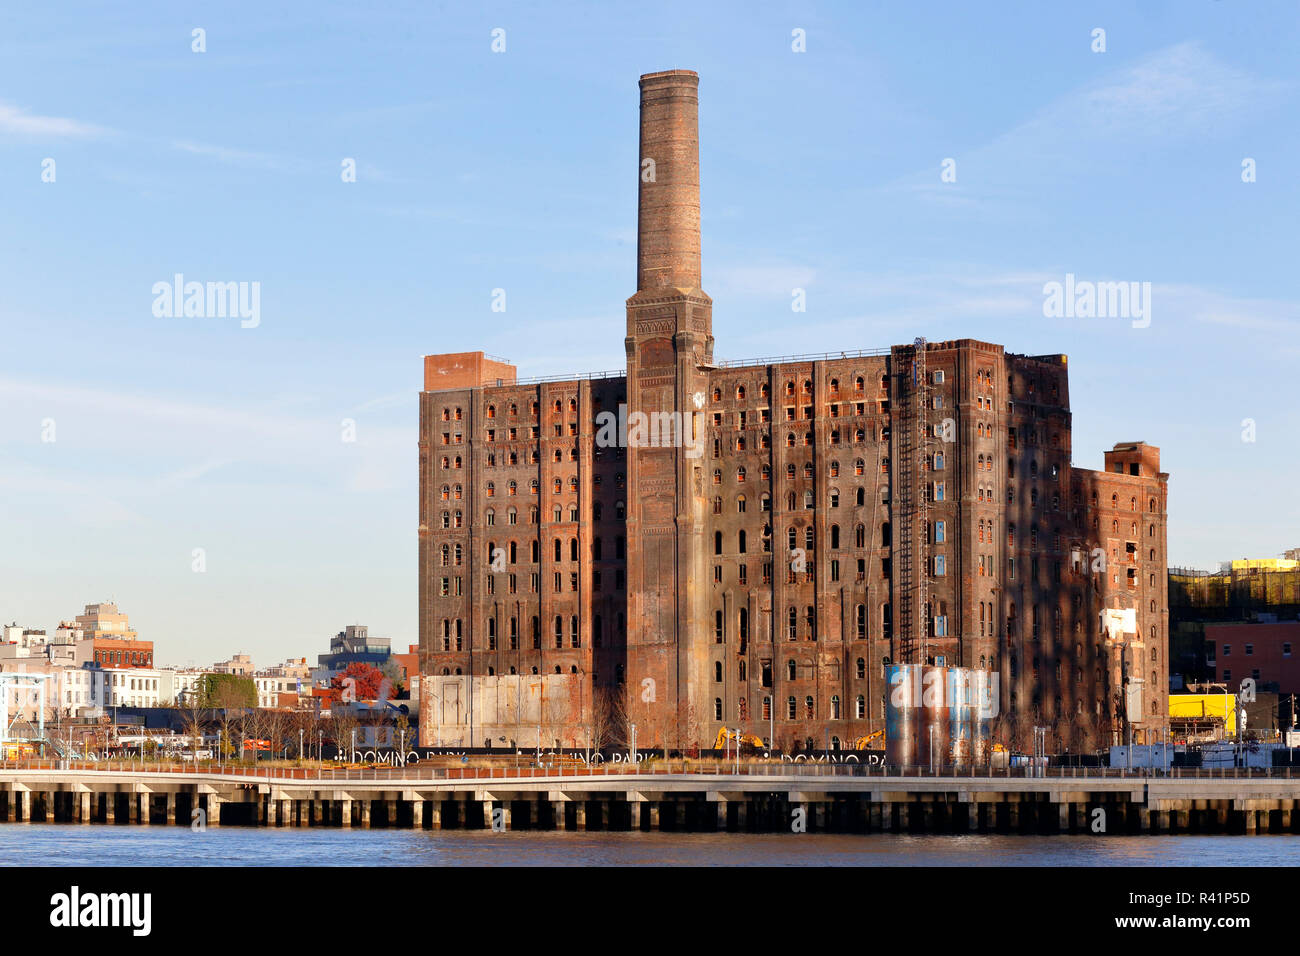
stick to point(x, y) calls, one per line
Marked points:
point(823, 516)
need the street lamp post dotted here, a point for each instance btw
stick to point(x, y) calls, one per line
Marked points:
point(1123, 702)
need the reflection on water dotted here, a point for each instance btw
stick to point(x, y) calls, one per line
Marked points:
point(55, 845)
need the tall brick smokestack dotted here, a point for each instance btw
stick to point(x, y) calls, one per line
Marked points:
point(668, 222)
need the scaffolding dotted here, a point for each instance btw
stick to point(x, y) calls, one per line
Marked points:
point(15, 684)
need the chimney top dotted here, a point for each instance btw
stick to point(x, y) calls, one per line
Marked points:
point(668, 219)
point(689, 75)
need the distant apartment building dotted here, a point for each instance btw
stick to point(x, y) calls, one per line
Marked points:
point(353, 644)
point(277, 691)
point(69, 693)
point(1241, 591)
point(126, 687)
point(22, 638)
point(410, 667)
point(179, 686)
point(105, 620)
point(1266, 651)
point(293, 667)
point(113, 641)
point(241, 665)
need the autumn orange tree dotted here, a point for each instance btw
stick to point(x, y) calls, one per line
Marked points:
point(367, 681)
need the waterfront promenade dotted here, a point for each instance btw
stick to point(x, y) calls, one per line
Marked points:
point(695, 796)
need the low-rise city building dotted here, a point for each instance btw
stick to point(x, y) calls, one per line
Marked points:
point(351, 645)
point(240, 665)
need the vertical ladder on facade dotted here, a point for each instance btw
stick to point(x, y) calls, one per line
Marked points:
point(904, 442)
point(921, 616)
point(912, 496)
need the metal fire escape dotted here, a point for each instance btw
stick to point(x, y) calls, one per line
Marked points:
point(912, 497)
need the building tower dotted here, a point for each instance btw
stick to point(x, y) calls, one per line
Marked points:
point(669, 352)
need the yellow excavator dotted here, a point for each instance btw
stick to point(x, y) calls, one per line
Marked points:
point(727, 737)
point(864, 743)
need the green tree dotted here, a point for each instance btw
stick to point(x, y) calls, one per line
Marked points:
point(227, 691)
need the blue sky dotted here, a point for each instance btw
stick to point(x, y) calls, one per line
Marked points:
point(517, 170)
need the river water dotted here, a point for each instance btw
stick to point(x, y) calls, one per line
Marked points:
point(70, 845)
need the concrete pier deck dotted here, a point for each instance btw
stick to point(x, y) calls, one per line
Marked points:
point(775, 800)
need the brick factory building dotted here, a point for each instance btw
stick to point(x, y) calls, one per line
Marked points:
point(753, 542)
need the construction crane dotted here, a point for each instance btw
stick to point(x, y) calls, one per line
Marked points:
point(725, 737)
point(864, 743)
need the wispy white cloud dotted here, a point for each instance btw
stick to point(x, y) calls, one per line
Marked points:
point(393, 400)
point(19, 122)
point(1171, 95)
point(191, 473)
point(157, 428)
point(1212, 307)
point(774, 279)
point(1180, 91)
point(239, 157)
